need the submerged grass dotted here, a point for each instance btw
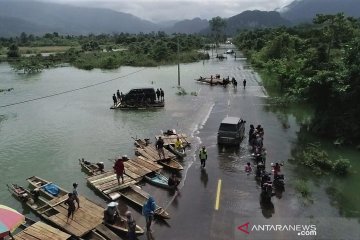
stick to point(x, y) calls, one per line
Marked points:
point(302, 187)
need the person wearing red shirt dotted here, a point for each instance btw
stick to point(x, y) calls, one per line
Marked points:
point(119, 170)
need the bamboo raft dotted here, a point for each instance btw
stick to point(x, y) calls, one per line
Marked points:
point(171, 139)
point(149, 152)
point(135, 169)
point(138, 106)
point(215, 81)
point(88, 218)
point(41, 231)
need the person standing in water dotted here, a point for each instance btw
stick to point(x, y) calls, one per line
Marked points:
point(244, 83)
point(203, 156)
point(115, 100)
point(148, 211)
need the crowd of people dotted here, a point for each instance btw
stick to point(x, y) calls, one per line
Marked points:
point(118, 98)
point(256, 141)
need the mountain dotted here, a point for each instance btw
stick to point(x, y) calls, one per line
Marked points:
point(305, 10)
point(10, 26)
point(251, 20)
point(67, 19)
point(254, 19)
point(188, 26)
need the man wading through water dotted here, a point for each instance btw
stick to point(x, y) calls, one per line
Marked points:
point(203, 156)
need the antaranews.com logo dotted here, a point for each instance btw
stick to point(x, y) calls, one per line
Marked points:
point(296, 228)
point(300, 229)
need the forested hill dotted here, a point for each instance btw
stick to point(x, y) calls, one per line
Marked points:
point(254, 19)
point(188, 26)
point(306, 10)
point(40, 17)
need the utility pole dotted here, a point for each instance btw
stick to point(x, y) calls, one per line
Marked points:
point(178, 58)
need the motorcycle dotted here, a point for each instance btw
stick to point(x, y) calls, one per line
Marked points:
point(260, 169)
point(266, 187)
point(279, 182)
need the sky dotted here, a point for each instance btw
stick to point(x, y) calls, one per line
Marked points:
point(165, 10)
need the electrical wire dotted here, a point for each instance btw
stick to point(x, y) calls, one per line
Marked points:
point(72, 90)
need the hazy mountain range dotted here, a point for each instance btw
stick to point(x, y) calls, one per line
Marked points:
point(40, 17)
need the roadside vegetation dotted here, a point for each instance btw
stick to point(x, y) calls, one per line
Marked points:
point(303, 188)
point(318, 160)
point(102, 51)
point(316, 63)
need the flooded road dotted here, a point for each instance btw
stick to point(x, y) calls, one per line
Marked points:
point(46, 137)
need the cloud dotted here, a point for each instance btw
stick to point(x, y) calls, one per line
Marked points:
point(163, 10)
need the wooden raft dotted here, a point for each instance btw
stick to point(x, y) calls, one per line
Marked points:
point(215, 81)
point(151, 153)
point(135, 170)
point(41, 231)
point(86, 218)
point(171, 139)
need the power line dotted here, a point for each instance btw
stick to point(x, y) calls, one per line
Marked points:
point(72, 90)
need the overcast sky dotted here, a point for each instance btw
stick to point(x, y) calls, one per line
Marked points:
point(163, 10)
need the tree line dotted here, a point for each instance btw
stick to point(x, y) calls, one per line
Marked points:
point(318, 63)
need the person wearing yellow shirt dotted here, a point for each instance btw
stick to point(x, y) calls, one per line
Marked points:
point(178, 144)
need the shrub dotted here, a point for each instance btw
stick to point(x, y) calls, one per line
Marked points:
point(341, 166)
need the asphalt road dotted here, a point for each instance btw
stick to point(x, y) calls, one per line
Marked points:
point(214, 200)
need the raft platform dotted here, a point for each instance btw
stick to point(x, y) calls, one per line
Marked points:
point(139, 106)
point(171, 139)
point(87, 218)
point(150, 152)
point(41, 231)
point(135, 169)
point(215, 81)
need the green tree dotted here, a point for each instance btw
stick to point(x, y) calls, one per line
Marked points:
point(13, 51)
point(217, 24)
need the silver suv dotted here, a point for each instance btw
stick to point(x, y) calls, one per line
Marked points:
point(231, 131)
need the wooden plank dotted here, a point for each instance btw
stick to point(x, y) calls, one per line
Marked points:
point(94, 207)
point(140, 170)
point(25, 236)
point(115, 183)
point(107, 232)
point(81, 217)
point(148, 165)
point(150, 162)
point(57, 201)
point(93, 178)
point(143, 153)
point(44, 234)
point(63, 225)
point(142, 166)
point(104, 179)
point(131, 174)
point(119, 187)
point(42, 225)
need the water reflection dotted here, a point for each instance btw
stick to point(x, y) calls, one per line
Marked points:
point(267, 207)
point(204, 177)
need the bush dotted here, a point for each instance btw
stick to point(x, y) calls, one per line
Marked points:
point(181, 91)
point(303, 188)
point(341, 166)
point(320, 163)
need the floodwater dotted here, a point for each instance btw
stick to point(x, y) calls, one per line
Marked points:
point(47, 137)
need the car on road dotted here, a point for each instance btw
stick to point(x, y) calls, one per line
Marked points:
point(230, 51)
point(231, 131)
